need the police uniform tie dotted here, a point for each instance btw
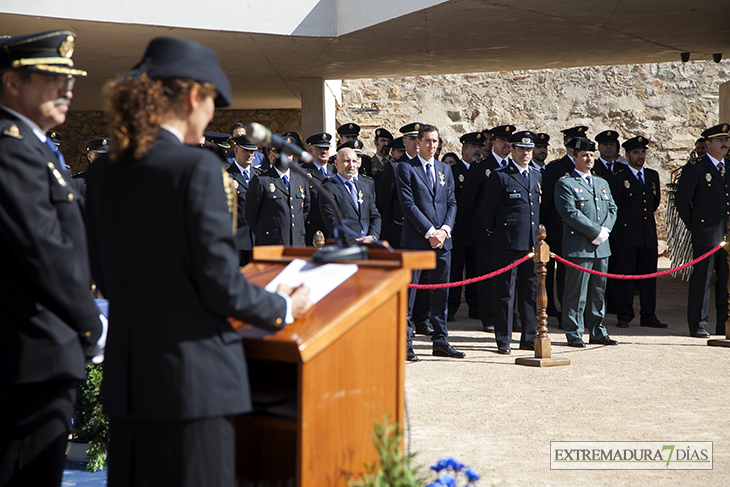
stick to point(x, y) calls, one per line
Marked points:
point(721, 168)
point(641, 180)
point(526, 174)
point(429, 175)
point(245, 176)
point(323, 169)
point(59, 155)
point(286, 180)
point(351, 189)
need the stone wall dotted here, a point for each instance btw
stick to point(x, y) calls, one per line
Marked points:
point(81, 126)
point(669, 103)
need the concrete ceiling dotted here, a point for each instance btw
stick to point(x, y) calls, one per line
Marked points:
point(459, 36)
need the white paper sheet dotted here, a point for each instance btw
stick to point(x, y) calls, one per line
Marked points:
point(321, 279)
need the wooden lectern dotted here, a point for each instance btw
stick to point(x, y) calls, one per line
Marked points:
point(340, 368)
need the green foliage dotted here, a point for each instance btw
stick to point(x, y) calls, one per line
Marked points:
point(90, 424)
point(395, 469)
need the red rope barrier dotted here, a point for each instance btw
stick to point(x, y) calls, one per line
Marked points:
point(473, 279)
point(638, 276)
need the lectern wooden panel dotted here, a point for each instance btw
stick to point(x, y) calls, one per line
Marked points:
point(341, 367)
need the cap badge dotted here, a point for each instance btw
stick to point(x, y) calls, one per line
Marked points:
point(66, 49)
point(349, 126)
point(13, 132)
point(324, 136)
point(580, 129)
point(640, 139)
point(479, 136)
point(724, 128)
point(526, 140)
point(103, 142)
point(416, 127)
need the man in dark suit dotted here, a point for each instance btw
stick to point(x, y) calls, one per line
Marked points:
point(556, 169)
point(387, 197)
point(50, 324)
point(585, 204)
point(607, 163)
point(472, 196)
point(381, 140)
point(354, 197)
point(637, 192)
point(319, 169)
point(426, 192)
point(540, 152)
point(511, 212)
point(701, 192)
point(277, 204)
point(464, 253)
point(242, 171)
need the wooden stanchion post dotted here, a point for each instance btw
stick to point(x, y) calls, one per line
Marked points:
point(542, 356)
point(726, 341)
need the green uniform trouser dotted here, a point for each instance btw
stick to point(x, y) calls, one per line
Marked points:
point(583, 299)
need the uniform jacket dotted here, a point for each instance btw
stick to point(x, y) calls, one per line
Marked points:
point(47, 314)
point(314, 219)
point(244, 235)
point(424, 205)
point(584, 211)
point(366, 212)
point(600, 169)
point(473, 192)
point(511, 209)
point(389, 205)
point(163, 254)
point(703, 201)
point(635, 225)
point(275, 214)
point(462, 225)
point(548, 215)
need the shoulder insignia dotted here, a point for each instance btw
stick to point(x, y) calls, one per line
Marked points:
point(272, 187)
point(564, 176)
point(693, 161)
point(365, 176)
point(13, 132)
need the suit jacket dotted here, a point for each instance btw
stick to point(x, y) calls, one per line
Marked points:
point(699, 199)
point(635, 225)
point(462, 225)
point(584, 211)
point(244, 235)
point(47, 314)
point(473, 192)
point(275, 214)
point(167, 262)
point(314, 219)
point(425, 205)
point(388, 204)
point(548, 215)
point(510, 209)
point(366, 212)
point(600, 169)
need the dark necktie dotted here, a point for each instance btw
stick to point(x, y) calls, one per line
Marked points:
point(429, 175)
point(641, 180)
point(286, 180)
point(351, 189)
point(721, 168)
point(57, 152)
point(526, 174)
point(245, 175)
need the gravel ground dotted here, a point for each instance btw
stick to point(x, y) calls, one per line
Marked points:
point(499, 417)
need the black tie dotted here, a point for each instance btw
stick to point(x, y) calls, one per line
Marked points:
point(429, 175)
point(641, 180)
point(526, 174)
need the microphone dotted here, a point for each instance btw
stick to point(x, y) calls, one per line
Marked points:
point(259, 134)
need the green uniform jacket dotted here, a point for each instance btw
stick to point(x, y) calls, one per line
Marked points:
point(584, 212)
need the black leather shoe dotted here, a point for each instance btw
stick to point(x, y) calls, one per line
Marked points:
point(700, 333)
point(411, 355)
point(503, 350)
point(623, 324)
point(446, 350)
point(450, 318)
point(488, 328)
point(576, 342)
point(655, 324)
point(527, 346)
point(424, 328)
point(605, 340)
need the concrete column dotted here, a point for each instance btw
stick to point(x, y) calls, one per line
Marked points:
point(725, 102)
point(320, 99)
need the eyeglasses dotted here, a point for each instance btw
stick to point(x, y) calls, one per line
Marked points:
point(63, 82)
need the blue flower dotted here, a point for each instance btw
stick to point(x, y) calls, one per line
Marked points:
point(448, 481)
point(454, 464)
point(442, 464)
point(471, 474)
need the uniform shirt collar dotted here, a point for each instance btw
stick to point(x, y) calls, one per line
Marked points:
point(30, 123)
point(501, 160)
point(715, 162)
point(240, 168)
point(466, 164)
point(173, 131)
point(636, 172)
point(282, 174)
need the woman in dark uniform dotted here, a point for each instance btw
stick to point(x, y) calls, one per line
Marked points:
point(160, 221)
